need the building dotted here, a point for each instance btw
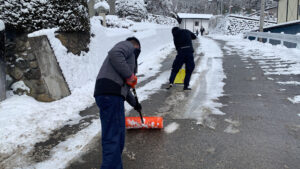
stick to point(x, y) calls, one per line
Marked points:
point(288, 10)
point(193, 22)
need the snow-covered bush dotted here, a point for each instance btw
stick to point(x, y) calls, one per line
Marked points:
point(131, 9)
point(116, 22)
point(164, 20)
point(31, 15)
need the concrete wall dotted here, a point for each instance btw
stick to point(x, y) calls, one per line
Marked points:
point(292, 10)
point(282, 7)
point(50, 70)
point(288, 10)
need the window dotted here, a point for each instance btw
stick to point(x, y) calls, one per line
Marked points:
point(196, 23)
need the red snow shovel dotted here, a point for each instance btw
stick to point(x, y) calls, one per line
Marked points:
point(143, 122)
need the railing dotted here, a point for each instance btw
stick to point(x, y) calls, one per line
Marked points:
point(275, 36)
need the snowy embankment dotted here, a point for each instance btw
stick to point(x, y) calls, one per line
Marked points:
point(25, 121)
point(208, 81)
point(284, 61)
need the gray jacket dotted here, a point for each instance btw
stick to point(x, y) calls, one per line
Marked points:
point(119, 65)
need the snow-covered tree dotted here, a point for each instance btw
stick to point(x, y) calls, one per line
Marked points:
point(131, 9)
point(31, 15)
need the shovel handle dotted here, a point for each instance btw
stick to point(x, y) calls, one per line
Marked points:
point(137, 101)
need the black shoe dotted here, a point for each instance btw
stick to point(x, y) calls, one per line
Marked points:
point(187, 88)
point(169, 87)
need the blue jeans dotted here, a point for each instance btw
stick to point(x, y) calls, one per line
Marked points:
point(187, 58)
point(112, 117)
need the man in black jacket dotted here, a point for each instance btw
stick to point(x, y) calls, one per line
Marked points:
point(184, 46)
point(115, 78)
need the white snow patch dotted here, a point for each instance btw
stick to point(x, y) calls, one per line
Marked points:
point(289, 83)
point(231, 129)
point(295, 99)
point(2, 25)
point(70, 149)
point(211, 67)
point(20, 85)
point(171, 127)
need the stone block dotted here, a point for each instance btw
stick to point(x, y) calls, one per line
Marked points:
point(33, 74)
point(16, 73)
point(44, 98)
point(22, 64)
point(33, 64)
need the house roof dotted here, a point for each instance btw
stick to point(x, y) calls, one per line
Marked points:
point(194, 16)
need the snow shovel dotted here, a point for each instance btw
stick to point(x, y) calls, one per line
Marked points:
point(143, 122)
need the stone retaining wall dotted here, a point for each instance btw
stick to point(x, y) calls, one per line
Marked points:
point(32, 61)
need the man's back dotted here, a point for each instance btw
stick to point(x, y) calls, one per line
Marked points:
point(183, 38)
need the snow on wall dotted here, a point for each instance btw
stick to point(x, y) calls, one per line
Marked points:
point(233, 26)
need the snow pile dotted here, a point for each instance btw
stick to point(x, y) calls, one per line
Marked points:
point(2, 25)
point(210, 70)
point(171, 127)
point(131, 9)
point(20, 85)
point(295, 100)
point(233, 26)
point(23, 119)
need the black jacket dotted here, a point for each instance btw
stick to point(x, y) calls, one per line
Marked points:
point(183, 39)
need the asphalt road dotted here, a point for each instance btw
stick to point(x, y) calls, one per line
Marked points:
point(260, 129)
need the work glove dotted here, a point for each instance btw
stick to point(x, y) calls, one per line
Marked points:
point(132, 81)
point(138, 107)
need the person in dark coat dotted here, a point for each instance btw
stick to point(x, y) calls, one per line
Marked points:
point(114, 80)
point(202, 30)
point(183, 43)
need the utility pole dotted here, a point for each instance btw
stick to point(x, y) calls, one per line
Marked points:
point(262, 17)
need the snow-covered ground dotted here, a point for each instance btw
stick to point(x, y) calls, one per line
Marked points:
point(209, 82)
point(284, 61)
point(25, 121)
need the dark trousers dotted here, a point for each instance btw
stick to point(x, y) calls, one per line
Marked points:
point(112, 117)
point(183, 57)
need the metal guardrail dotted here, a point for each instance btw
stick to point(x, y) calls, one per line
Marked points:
point(275, 36)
